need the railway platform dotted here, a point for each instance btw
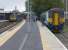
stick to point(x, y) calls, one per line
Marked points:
point(29, 35)
point(49, 40)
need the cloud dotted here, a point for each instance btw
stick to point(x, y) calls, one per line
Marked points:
point(10, 4)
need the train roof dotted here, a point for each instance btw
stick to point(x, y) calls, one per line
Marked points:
point(56, 9)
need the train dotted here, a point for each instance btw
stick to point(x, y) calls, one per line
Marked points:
point(53, 19)
point(16, 17)
point(2, 16)
point(12, 17)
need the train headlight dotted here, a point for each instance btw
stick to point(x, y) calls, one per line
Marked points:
point(62, 20)
point(50, 20)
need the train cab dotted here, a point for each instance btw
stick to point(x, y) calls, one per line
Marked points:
point(54, 19)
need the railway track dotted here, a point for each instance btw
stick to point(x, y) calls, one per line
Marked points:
point(7, 25)
point(63, 37)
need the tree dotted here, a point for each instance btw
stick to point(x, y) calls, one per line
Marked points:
point(39, 6)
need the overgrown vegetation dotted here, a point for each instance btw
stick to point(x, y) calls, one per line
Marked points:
point(39, 6)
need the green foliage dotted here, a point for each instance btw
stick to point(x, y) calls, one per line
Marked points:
point(39, 6)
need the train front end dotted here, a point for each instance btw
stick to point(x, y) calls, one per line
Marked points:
point(56, 20)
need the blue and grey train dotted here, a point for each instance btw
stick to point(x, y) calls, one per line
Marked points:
point(54, 19)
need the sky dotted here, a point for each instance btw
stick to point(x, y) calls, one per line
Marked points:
point(11, 4)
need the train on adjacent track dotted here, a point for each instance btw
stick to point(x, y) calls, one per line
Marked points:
point(16, 17)
point(11, 17)
point(53, 19)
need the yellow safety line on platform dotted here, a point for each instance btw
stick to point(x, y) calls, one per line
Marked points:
point(43, 39)
point(5, 36)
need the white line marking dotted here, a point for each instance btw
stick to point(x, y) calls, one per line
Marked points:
point(3, 20)
point(60, 43)
point(23, 42)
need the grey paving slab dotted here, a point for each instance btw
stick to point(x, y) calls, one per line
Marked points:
point(34, 41)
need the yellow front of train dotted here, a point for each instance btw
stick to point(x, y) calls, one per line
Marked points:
point(12, 18)
point(56, 20)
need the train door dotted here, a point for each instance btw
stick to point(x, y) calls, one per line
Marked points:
point(56, 19)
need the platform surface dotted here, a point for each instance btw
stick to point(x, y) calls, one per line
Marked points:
point(32, 36)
